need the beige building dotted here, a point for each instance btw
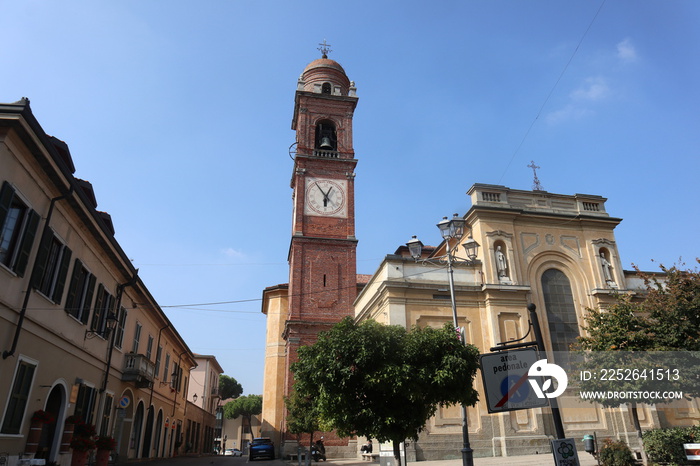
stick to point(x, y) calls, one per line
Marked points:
point(203, 397)
point(558, 252)
point(64, 283)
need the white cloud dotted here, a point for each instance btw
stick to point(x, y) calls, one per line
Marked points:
point(626, 51)
point(232, 253)
point(593, 89)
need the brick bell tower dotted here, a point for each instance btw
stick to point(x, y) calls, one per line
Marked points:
point(322, 263)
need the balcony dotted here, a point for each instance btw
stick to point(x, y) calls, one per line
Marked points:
point(138, 369)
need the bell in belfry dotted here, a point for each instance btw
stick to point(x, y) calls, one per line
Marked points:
point(326, 143)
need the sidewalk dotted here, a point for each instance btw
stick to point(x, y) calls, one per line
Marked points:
point(545, 459)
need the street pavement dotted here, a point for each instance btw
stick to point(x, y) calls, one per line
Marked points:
point(528, 460)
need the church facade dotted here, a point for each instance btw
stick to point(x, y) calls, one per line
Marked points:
point(554, 250)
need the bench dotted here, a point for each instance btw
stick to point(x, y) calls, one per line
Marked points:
point(373, 457)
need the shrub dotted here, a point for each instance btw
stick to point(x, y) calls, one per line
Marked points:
point(666, 445)
point(105, 443)
point(616, 453)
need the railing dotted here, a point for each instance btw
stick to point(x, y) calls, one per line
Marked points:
point(329, 154)
point(139, 369)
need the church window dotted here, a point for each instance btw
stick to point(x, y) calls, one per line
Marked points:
point(561, 312)
point(326, 88)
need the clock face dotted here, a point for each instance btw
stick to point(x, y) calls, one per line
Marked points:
point(326, 198)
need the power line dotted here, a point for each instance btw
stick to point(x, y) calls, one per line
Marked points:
point(539, 112)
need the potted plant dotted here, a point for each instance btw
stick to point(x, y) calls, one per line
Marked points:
point(68, 428)
point(82, 443)
point(105, 445)
point(39, 418)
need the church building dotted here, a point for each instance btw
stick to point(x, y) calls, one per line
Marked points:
point(557, 251)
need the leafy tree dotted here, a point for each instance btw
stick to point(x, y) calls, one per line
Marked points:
point(302, 417)
point(665, 317)
point(229, 387)
point(246, 406)
point(384, 382)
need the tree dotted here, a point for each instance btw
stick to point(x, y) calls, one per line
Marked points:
point(246, 406)
point(384, 382)
point(302, 417)
point(229, 387)
point(632, 333)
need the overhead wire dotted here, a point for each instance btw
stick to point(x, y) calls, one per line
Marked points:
point(551, 91)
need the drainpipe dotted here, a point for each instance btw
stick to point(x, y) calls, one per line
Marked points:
point(30, 285)
point(120, 293)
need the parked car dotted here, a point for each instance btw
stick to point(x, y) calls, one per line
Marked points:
point(233, 452)
point(261, 447)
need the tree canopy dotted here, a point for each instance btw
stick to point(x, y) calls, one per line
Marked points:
point(229, 387)
point(384, 382)
point(246, 406)
point(657, 329)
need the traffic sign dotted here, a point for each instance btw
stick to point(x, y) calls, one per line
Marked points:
point(506, 380)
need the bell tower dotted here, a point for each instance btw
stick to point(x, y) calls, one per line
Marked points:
point(322, 265)
point(322, 262)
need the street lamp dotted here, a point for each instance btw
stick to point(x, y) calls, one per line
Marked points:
point(194, 398)
point(451, 229)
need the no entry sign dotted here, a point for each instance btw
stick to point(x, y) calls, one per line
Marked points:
point(505, 380)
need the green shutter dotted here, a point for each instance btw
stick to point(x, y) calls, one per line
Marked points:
point(62, 273)
point(6, 195)
point(42, 257)
point(88, 300)
point(27, 242)
point(71, 304)
point(99, 304)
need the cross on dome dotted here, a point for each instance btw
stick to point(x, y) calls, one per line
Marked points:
point(324, 48)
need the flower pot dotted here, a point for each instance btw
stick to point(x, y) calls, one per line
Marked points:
point(102, 457)
point(66, 438)
point(79, 458)
point(34, 437)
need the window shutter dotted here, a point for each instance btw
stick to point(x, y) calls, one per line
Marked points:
point(41, 257)
point(27, 242)
point(71, 304)
point(62, 273)
point(99, 302)
point(6, 195)
point(88, 300)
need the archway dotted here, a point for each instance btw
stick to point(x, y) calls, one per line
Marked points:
point(146, 453)
point(135, 440)
point(50, 442)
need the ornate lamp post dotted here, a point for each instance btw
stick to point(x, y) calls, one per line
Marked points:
point(452, 229)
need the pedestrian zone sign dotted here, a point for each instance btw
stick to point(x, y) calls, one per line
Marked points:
point(564, 451)
point(506, 380)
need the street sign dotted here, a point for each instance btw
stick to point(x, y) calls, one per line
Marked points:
point(564, 451)
point(506, 380)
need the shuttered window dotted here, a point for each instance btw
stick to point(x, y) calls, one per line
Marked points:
point(18, 227)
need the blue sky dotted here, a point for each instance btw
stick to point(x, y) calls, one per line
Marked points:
point(179, 113)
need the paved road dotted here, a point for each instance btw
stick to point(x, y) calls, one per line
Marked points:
point(530, 460)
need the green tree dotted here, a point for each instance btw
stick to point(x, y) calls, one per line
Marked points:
point(229, 387)
point(246, 406)
point(384, 382)
point(302, 417)
point(664, 317)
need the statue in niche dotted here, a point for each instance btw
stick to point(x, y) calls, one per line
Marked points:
point(501, 264)
point(607, 269)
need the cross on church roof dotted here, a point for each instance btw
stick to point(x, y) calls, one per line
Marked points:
point(324, 48)
point(536, 186)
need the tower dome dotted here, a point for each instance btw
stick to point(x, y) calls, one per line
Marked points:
point(325, 76)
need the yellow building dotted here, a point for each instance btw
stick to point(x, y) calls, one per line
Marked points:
point(64, 284)
point(556, 251)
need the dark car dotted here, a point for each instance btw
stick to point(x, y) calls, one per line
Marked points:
point(261, 447)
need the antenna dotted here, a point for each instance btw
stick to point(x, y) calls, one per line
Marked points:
point(536, 186)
